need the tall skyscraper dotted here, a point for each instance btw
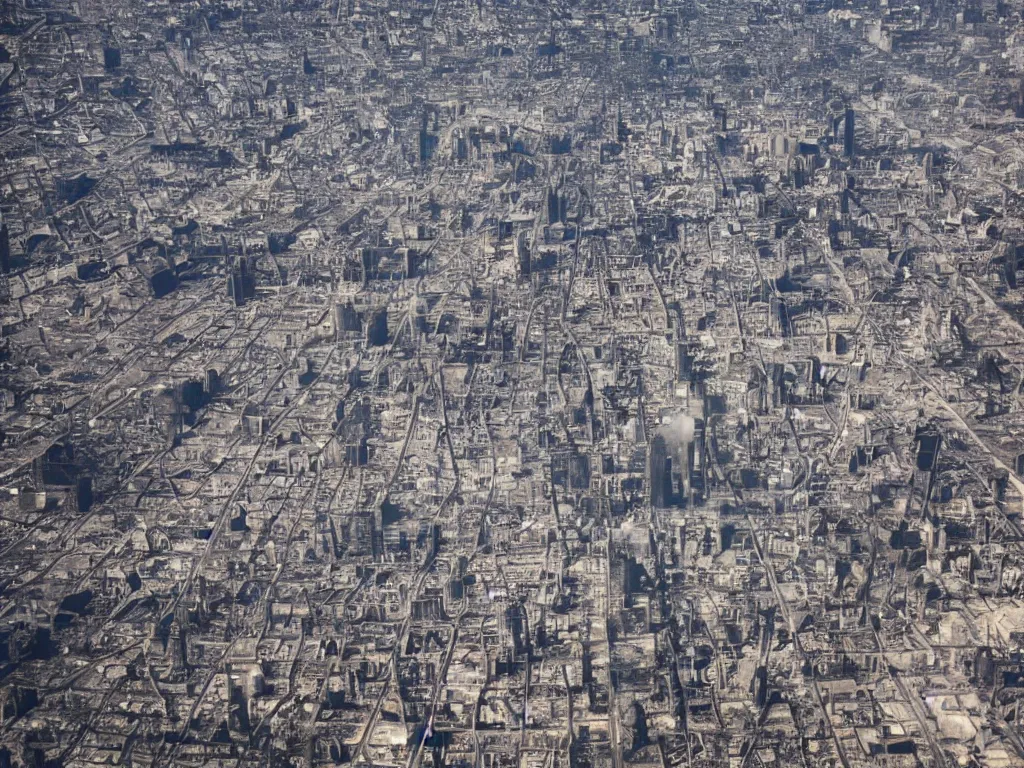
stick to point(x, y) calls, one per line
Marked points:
point(848, 133)
point(659, 454)
point(5, 249)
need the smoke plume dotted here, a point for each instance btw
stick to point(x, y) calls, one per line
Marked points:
point(678, 431)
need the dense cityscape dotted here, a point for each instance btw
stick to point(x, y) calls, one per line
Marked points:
point(512, 384)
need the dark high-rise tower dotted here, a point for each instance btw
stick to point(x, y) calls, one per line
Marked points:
point(657, 472)
point(848, 133)
point(662, 465)
point(5, 249)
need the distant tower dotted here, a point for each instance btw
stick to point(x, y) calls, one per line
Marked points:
point(848, 133)
point(659, 472)
point(5, 249)
point(5, 263)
